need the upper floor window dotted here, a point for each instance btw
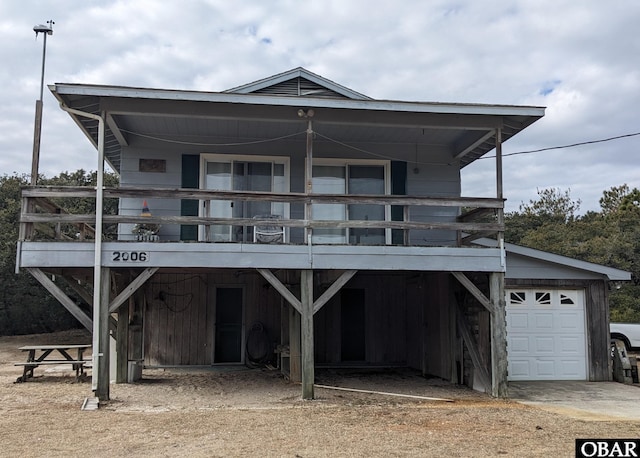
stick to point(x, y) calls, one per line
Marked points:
point(242, 173)
point(351, 177)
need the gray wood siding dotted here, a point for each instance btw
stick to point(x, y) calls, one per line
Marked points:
point(524, 267)
point(131, 176)
point(438, 180)
point(175, 321)
point(437, 346)
point(434, 177)
point(385, 322)
point(179, 319)
point(403, 326)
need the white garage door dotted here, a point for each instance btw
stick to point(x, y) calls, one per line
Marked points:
point(546, 337)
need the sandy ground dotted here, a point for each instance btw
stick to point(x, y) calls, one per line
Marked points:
point(255, 412)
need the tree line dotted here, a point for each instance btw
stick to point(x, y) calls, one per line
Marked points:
point(610, 237)
point(25, 306)
point(551, 222)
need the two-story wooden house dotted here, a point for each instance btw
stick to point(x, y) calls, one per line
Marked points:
point(290, 218)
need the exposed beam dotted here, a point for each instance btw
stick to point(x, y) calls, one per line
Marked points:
point(283, 290)
point(473, 289)
point(71, 306)
point(333, 289)
point(474, 145)
point(132, 288)
point(115, 129)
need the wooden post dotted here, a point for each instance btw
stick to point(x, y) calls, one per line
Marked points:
point(295, 371)
point(498, 336)
point(37, 134)
point(308, 189)
point(122, 343)
point(101, 354)
point(499, 189)
point(306, 297)
point(453, 347)
point(135, 332)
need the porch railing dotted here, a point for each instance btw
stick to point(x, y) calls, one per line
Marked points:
point(40, 215)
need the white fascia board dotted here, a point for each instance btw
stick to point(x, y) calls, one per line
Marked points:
point(295, 101)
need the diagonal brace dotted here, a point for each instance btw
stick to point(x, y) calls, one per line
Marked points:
point(473, 289)
point(132, 288)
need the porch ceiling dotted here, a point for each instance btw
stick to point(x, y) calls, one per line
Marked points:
point(210, 119)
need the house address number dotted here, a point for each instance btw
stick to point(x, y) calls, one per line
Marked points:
point(130, 256)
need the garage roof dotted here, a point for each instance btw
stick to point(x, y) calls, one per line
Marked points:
point(523, 262)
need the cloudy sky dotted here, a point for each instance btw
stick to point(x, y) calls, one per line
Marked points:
point(580, 59)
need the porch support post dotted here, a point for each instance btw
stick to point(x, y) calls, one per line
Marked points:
point(308, 174)
point(500, 194)
point(306, 296)
point(100, 373)
point(498, 336)
point(295, 371)
point(499, 164)
point(122, 344)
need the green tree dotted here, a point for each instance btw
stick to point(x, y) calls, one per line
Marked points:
point(610, 237)
point(25, 306)
point(543, 223)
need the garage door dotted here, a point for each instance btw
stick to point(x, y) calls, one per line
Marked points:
point(546, 337)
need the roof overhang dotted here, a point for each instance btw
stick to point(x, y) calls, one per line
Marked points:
point(465, 130)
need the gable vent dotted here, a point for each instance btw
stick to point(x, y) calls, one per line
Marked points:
point(300, 87)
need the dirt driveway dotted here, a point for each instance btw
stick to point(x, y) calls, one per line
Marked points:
point(257, 413)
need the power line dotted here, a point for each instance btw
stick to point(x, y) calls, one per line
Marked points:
point(184, 142)
point(590, 142)
point(253, 142)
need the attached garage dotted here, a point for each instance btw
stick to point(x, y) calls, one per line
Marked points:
point(557, 316)
point(546, 334)
point(557, 313)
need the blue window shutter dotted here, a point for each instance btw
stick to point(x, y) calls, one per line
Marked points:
point(190, 173)
point(398, 188)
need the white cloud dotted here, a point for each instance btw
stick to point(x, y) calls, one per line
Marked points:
point(576, 58)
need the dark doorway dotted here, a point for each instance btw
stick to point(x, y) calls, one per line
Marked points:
point(228, 335)
point(352, 324)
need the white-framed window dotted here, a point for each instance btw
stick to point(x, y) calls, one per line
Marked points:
point(342, 176)
point(241, 173)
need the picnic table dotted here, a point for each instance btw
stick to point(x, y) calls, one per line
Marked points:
point(41, 355)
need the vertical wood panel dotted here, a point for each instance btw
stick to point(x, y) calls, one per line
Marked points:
point(414, 323)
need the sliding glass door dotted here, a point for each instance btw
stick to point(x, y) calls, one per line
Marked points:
point(333, 177)
point(243, 173)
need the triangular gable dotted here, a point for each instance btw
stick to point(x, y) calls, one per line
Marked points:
point(298, 82)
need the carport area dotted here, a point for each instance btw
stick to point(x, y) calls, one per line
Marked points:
point(604, 401)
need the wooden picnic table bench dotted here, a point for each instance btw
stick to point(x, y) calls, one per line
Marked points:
point(38, 355)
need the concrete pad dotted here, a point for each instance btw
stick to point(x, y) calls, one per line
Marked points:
point(599, 401)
